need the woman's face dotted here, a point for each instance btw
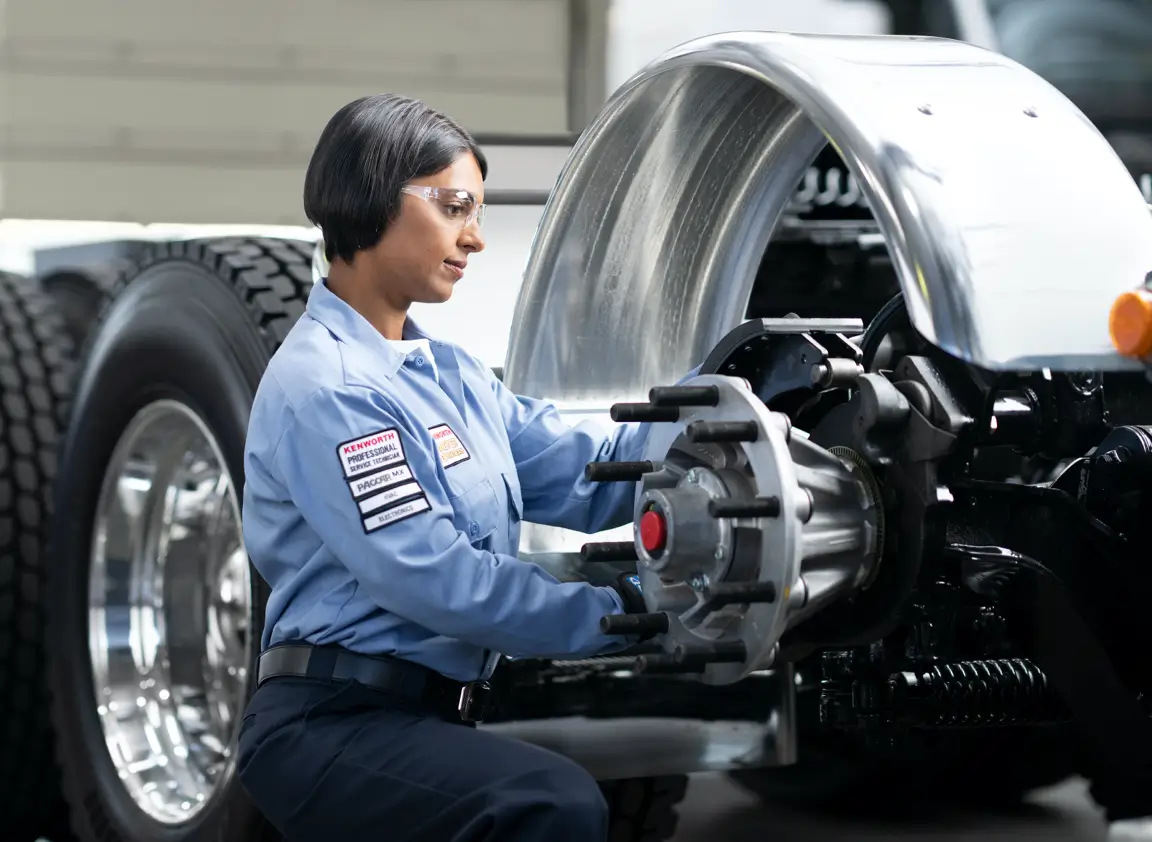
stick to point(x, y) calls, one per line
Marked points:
point(424, 252)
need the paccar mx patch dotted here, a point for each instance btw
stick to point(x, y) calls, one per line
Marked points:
point(372, 452)
point(379, 480)
point(448, 446)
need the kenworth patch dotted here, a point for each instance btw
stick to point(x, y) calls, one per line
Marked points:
point(372, 452)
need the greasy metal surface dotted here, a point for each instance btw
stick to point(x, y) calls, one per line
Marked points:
point(1011, 222)
point(170, 612)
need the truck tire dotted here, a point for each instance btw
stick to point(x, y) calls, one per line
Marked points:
point(79, 296)
point(35, 372)
point(154, 613)
point(643, 809)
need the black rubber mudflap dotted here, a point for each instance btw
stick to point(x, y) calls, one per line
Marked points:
point(643, 809)
point(35, 372)
point(195, 321)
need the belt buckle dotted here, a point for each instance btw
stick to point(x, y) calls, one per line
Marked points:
point(473, 702)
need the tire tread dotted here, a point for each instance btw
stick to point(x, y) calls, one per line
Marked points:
point(36, 367)
point(271, 277)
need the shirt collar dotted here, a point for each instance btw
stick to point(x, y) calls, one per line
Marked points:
point(347, 325)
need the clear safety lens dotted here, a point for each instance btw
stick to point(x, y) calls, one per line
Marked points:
point(458, 206)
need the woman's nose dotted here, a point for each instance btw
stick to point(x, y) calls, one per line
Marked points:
point(471, 237)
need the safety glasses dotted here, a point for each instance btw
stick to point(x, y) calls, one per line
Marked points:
point(458, 206)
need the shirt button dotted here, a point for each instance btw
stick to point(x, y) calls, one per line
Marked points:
point(419, 361)
point(474, 528)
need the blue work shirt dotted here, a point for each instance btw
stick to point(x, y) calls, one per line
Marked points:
point(384, 492)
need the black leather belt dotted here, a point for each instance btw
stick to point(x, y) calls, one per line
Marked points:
point(402, 679)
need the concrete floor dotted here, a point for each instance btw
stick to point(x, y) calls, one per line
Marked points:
point(715, 809)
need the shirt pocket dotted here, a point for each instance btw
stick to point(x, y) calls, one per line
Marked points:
point(462, 474)
point(478, 508)
point(478, 512)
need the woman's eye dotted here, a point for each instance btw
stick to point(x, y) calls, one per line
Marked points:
point(455, 209)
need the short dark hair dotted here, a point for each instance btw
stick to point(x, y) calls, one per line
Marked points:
point(366, 153)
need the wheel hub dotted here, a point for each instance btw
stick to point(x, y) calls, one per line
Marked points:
point(170, 617)
point(745, 528)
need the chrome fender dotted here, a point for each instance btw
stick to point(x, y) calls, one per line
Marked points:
point(1011, 222)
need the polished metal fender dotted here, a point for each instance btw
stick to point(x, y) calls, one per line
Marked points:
point(1011, 222)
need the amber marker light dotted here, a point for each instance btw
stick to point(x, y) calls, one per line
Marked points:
point(1130, 323)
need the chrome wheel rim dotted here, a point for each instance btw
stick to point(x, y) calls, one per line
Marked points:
point(170, 610)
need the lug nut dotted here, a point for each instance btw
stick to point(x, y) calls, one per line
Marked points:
point(739, 593)
point(634, 623)
point(704, 432)
point(667, 664)
point(750, 507)
point(609, 551)
point(684, 395)
point(617, 471)
point(642, 412)
point(717, 653)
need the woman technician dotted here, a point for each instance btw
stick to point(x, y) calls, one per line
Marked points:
point(387, 473)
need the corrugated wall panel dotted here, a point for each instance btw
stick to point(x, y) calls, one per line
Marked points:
point(190, 112)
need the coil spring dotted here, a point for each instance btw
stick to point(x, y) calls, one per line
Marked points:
point(973, 694)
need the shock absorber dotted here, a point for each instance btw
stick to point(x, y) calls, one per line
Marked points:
point(976, 694)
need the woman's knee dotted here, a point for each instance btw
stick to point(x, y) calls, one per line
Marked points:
point(271, 768)
point(567, 799)
point(252, 773)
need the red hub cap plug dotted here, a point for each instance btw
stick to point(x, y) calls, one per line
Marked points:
point(653, 531)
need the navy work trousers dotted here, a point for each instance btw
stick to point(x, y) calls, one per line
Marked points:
point(327, 761)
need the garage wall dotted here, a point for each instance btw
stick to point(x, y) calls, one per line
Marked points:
point(165, 111)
